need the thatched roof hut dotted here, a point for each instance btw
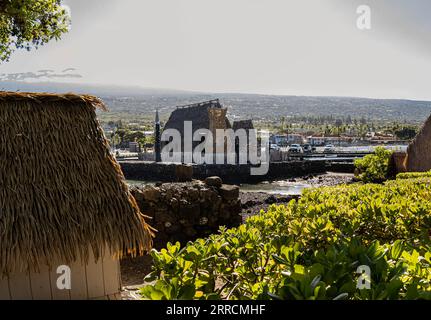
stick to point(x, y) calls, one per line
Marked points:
point(209, 115)
point(63, 197)
point(203, 115)
point(419, 151)
point(243, 124)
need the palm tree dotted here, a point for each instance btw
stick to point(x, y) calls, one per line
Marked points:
point(338, 124)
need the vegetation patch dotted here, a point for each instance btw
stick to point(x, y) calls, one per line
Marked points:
point(374, 167)
point(311, 249)
point(410, 175)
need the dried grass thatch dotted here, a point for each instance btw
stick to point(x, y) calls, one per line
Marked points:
point(419, 151)
point(243, 124)
point(198, 114)
point(61, 191)
point(204, 115)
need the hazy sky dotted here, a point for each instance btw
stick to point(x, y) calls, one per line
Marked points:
point(293, 47)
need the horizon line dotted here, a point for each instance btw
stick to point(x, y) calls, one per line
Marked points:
point(189, 91)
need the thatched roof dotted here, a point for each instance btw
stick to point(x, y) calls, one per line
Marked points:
point(61, 191)
point(243, 124)
point(199, 114)
point(419, 151)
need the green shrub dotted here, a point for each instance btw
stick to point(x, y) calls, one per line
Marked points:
point(374, 167)
point(310, 249)
point(410, 175)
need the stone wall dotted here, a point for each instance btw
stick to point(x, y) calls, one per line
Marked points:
point(189, 210)
point(235, 174)
point(341, 167)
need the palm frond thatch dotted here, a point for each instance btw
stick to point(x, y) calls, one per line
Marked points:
point(61, 191)
point(243, 124)
point(209, 115)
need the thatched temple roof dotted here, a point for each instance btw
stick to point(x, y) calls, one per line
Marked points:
point(198, 113)
point(243, 124)
point(61, 191)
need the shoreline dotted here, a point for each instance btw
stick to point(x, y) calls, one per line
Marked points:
point(254, 201)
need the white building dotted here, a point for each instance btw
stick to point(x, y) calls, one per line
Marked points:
point(317, 141)
point(295, 138)
point(279, 139)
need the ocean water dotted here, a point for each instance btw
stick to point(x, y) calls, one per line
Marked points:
point(283, 187)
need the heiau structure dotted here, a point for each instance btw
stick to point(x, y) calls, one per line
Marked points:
point(63, 200)
point(243, 124)
point(419, 151)
point(205, 115)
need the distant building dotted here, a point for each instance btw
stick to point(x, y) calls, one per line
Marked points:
point(205, 115)
point(383, 137)
point(243, 124)
point(284, 140)
point(333, 139)
point(279, 140)
point(317, 141)
point(321, 141)
point(134, 147)
point(247, 125)
point(295, 138)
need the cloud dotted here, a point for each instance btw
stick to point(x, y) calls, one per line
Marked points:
point(41, 74)
point(68, 70)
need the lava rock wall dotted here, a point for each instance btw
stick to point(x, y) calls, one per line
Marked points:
point(189, 210)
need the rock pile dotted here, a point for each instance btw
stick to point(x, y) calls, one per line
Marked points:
point(188, 210)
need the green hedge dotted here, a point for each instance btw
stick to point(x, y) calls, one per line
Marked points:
point(410, 175)
point(374, 167)
point(311, 249)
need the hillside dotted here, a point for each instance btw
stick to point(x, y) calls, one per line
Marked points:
point(134, 101)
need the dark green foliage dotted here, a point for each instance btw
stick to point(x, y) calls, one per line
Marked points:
point(406, 133)
point(311, 249)
point(410, 175)
point(30, 23)
point(374, 167)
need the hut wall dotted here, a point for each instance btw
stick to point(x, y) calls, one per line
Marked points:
point(96, 280)
point(398, 162)
point(419, 151)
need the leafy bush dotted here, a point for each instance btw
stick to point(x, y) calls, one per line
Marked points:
point(310, 249)
point(406, 133)
point(374, 167)
point(410, 175)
